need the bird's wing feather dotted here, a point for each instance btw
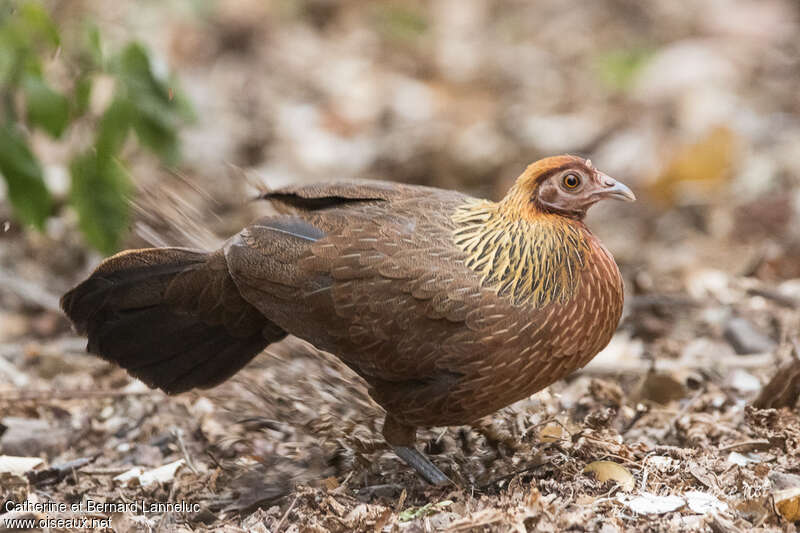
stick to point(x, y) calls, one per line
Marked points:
point(337, 194)
point(384, 288)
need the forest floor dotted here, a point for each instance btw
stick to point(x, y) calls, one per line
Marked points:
point(688, 421)
point(667, 439)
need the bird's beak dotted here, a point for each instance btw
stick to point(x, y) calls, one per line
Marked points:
point(615, 189)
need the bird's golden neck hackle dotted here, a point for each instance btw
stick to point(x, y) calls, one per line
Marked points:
point(533, 258)
point(520, 203)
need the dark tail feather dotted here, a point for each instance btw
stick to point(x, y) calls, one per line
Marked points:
point(172, 317)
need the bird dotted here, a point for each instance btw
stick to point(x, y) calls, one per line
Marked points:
point(448, 306)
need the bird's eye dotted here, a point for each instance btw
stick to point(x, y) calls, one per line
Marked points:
point(571, 181)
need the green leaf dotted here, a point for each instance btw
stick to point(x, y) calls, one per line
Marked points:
point(134, 68)
point(113, 128)
point(412, 513)
point(37, 24)
point(179, 103)
point(159, 135)
point(81, 95)
point(15, 54)
point(47, 108)
point(8, 53)
point(99, 193)
point(26, 188)
point(95, 48)
point(158, 110)
point(5, 11)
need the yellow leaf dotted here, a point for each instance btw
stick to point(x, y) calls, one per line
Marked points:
point(787, 502)
point(699, 169)
point(605, 470)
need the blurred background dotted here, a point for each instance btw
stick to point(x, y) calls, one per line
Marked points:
point(130, 124)
point(693, 104)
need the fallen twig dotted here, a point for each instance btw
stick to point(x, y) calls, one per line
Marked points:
point(749, 444)
point(56, 473)
point(286, 514)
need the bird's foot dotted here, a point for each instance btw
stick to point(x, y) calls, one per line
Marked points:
point(424, 467)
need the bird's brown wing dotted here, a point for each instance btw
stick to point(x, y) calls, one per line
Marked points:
point(323, 196)
point(375, 280)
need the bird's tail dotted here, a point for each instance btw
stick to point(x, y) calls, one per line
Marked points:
point(172, 317)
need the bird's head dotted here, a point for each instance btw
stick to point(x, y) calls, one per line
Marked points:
point(564, 185)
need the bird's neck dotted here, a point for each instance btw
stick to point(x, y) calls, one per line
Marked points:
point(533, 260)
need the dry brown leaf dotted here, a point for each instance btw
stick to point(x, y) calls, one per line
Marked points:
point(331, 483)
point(15, 486)
point(783, 390)
point(660, 388)
point(552, 432)
point(162, 474)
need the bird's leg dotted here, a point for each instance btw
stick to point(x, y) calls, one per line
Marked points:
point(419, 462)
point(401, 438)
point(424, 467)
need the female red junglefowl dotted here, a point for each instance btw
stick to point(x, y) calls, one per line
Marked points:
point(449, 307)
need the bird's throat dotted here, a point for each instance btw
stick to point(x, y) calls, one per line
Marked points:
point(533, 261)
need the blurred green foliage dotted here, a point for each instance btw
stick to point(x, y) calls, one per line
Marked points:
point(142, 102)
point(412, 513)
point(617, 69)
point(399, 21)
